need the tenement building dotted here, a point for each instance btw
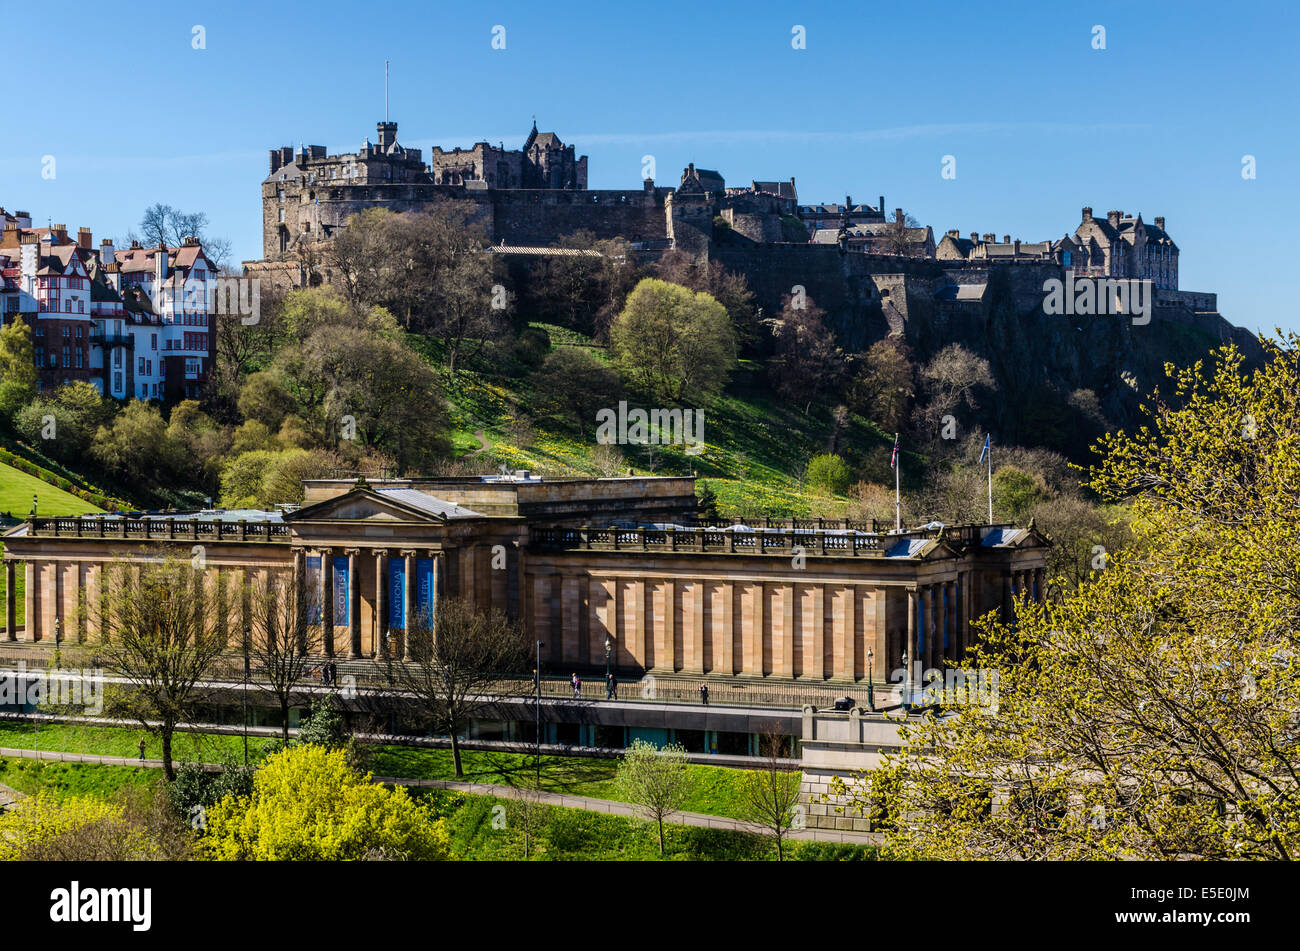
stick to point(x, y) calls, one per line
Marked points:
point(584, 565)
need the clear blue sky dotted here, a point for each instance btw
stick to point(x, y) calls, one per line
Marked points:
point(1039, 122)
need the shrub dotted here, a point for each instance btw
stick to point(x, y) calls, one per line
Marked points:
point(829, 473)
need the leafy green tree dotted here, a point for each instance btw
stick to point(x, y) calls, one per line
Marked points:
point(308, 804)
point(769, 795)
point(674, 341)
point(574, 384)
point(1150, 711)
point(830, 473)
point(1015, 492)
point(135, 445)
point(18, 375)
point(658, 781)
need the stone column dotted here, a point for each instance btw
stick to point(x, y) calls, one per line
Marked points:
point(327, 600)
point(354, 603)
point(381, 602)
point(910, 643)
point(950, 616)
point(435, 586)
point(409, 597)
point(298, 579)
point(30, 606)
point(1040, 584)
point(11, 602)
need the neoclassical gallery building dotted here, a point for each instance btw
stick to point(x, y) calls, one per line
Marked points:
point(584, 564)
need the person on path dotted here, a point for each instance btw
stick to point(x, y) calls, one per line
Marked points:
point(577, 685)
point(142, 749)
point(704, 693)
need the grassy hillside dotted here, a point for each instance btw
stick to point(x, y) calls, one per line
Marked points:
point(16, 491)
point(756, 449)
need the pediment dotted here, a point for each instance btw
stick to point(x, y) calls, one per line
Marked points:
point(362, 505)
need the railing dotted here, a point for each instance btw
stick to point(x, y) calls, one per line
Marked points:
point(751, 540)
point(159, 529)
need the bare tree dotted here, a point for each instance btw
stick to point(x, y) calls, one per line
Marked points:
point(280, 643)
point(770, 796)
point(160, 633)
point(468, 660)
point(169, 226)
point(658, 781)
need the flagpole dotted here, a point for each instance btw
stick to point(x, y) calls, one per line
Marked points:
point(990, 455)
point(898, 499)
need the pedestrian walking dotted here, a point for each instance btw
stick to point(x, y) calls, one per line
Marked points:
point(142, 749)
point(704, 693)
point(325, 675)
point(609, 686)
point(334, 673)
point(577, 685)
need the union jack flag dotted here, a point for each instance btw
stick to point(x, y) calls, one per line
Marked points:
point(893, 459)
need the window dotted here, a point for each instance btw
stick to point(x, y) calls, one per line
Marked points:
point(282, 216)
point(153, 340)
point(67, 357)
point(117, 359)
point(117, 381)
point(141, 370)
point(81, 307)
point(67, 332)
point(40, 356)
point(67, 306)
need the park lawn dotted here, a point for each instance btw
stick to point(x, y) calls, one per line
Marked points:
point(63, 780)
point(483, 828)
point(17, 489)
point(122, 741)
point(717, 788)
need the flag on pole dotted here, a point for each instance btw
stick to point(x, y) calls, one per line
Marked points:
point(984, 452)
point(893, 459)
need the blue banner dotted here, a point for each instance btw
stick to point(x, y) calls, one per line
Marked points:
point(312, 592)
point(396, 590)
point(424, 592)
point(341, 614)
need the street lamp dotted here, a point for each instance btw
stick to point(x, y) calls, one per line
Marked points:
point(537, 715)
point(247, 636)
point(871, 685)
point(907, 678)
point(608, 644)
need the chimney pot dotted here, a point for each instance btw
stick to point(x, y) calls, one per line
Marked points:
point(1160, 222)
point(1087, 212)
point(1006, 239)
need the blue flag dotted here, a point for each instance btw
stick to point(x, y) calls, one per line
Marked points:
point(985, 451)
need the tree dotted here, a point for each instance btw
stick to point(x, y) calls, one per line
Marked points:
point(830, 473)
point(280, 641)
point(77, 410)
point(583, 290)
point(955, 380)
point(658, 781)
point(308, 804)
point(466, 661)
point(674, 341)
point(806, 364)
point(161, 634)
point(770, 796)
point(882, 388)
point(897, 236)
point(728, 288)
point(572, 382)
point(163, 224)
point(1151, 711)
point(18, 375)
point(432, 269)
point(135, 445)
point(47, 828)
point(366, 389)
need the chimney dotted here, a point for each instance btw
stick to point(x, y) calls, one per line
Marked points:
point(1113, 217)
point(954, 233)
point(974, 237)
point(1017, 246)
point(59, 234)
point(1087, 213)
point(275, 161)
point(1160, 222)
point(106, 252)
point(84, 240)
point(848, 201)
point(1006, 239)
point(882, 206)
point(991, 238)
point(160, 265)
point(898, 215)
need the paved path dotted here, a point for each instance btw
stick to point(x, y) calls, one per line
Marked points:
point(590, 803)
